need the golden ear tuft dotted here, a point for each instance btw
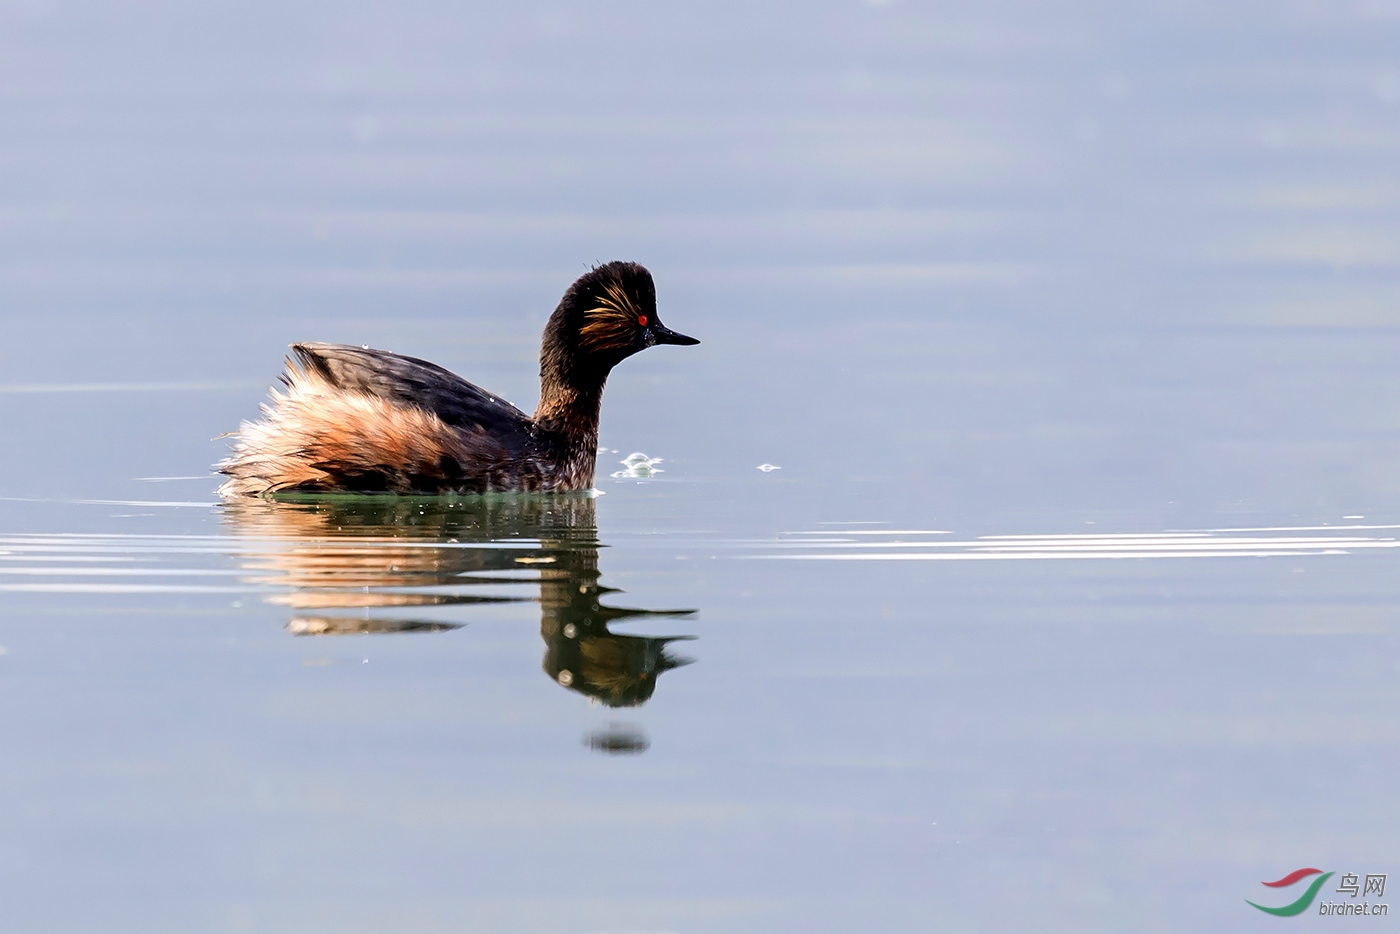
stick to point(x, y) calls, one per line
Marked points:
point(612, 323)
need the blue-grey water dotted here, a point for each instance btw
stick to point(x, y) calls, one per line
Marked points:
point(1070, 328)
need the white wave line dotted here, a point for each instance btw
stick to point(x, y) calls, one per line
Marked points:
point(103, 559)
point(119, 588)
point(1264, 543)
point(145, 502)
point(241, 549)
point(1094, 536)
point(189, 386)
point(120, 572)
point(1039, 555)
point(873, 532)
point(1110, 544)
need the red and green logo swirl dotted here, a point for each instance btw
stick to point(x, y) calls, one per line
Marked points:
point(1304, 900)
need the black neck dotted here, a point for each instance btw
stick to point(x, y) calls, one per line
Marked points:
point(571, 393)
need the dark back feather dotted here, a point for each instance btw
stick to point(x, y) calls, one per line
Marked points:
point(410, 381)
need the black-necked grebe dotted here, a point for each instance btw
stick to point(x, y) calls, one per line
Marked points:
point(360, 420)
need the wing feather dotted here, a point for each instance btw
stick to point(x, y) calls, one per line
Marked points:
point(356, 419)
point(410, 381)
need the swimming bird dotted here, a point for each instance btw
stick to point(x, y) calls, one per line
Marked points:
point(353, 419)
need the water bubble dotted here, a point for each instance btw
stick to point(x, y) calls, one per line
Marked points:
point(639, 467)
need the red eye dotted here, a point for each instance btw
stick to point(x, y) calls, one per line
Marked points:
point(642, 320)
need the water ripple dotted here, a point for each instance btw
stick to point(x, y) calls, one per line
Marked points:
point(908, 545)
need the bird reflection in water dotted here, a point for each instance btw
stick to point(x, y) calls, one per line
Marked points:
point(368, 553)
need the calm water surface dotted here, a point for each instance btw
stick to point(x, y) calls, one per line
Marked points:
point(1070, 330)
